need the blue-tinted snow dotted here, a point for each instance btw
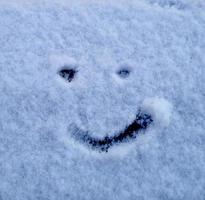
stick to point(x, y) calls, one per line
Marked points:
point(162, 43)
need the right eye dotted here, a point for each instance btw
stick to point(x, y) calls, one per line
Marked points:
point(67, 73)
point(124, 72)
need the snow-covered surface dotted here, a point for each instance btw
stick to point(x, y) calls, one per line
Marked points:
point(162, 43)
point(160, 110)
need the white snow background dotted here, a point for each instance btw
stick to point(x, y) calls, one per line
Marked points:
point(162, 43)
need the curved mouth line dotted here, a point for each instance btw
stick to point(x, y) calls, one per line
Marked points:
point(141, 122)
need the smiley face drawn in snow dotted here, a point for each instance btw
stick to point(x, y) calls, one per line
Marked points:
point(144, 117)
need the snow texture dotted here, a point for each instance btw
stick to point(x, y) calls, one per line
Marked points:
point(162, 47)
point(160, 110)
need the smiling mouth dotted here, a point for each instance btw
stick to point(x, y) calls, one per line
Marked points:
point(141, 122)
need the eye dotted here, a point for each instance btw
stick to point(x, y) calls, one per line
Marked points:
point(67, 73)
point(124, 72)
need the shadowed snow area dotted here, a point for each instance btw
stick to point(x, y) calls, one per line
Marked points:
point(95, 65)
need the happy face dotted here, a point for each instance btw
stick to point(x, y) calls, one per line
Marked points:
point(70, 72)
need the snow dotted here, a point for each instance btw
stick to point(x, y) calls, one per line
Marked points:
point(162, 45)
point(160, 110)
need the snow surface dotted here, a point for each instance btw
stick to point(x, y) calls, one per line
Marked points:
point(160, 110)
point(162, 43)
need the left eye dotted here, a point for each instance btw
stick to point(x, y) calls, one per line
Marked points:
point(67, 73)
